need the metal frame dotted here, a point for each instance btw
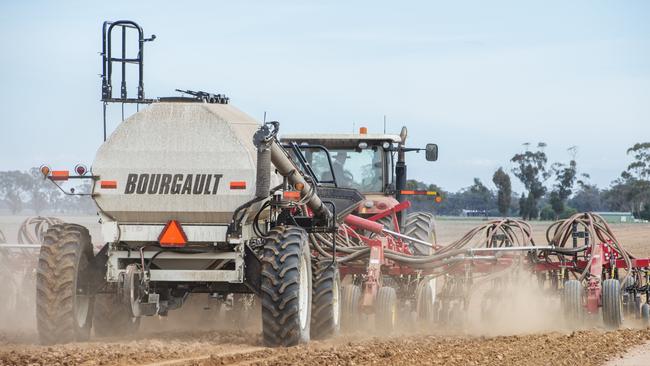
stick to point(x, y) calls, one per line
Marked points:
point(119, 259)
point(107, 65)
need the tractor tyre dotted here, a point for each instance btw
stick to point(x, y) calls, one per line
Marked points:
point(425, 301)
point(386, 314)
point(286, 287)
point(387, 221)
point(350, 314)
point(422, 226)
point(113, 318)
point(612, 303)
point(325, 300)
point(64, 305)
point(572, 301)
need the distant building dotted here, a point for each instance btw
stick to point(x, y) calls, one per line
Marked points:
point(617, 217)
point(474, 213)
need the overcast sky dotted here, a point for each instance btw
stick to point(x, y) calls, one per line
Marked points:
point(479, 78)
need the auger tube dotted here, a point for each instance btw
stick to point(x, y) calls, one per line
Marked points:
point(265, 138)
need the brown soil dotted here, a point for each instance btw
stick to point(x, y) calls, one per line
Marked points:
point(525, 331)
point(589, 347)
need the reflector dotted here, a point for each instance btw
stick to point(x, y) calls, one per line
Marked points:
point(238, 185)
point(108, 184)
point(426, 193)
point(60, 175)
point(172, 235)
point(291, 195)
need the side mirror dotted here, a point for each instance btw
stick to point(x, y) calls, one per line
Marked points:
point(431, 152)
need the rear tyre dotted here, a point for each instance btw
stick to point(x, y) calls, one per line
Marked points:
point(426, 302)
point(64, 305)
point(572, 301)
point(612, 303)
point(326, 304)
point(286, 287)
point(387, 221)
point(350, 314)
point(386, 315)
point(422, 226)
point(112, 318)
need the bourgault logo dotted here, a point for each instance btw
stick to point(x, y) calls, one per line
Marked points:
point(172, 183)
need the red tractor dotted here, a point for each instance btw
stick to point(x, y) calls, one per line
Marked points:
point(373, 164)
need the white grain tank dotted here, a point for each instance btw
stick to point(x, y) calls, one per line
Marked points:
point(177, 161)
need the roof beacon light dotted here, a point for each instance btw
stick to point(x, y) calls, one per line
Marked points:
point(363, 130)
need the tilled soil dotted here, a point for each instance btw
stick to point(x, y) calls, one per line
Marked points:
point(536, 342)
point(587, 347)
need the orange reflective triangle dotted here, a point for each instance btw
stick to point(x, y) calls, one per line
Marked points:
point(172, 235)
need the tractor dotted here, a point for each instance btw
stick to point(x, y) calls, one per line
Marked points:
point(374, 164)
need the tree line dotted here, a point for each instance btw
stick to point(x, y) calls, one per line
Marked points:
point(21, 191)
point(551, 191)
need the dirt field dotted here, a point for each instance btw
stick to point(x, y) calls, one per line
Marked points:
point(528, 332)
point(235, 348)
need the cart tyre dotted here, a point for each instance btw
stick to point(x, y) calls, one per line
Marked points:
point(572, 301)
point(350, 314)
point(64, 306)
point(645, 313)
point(326, 301)
point(386, 315)
point(286, 287)
point(426, 302)
point(612, 315)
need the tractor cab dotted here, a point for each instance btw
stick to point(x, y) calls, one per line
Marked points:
point(373, 164)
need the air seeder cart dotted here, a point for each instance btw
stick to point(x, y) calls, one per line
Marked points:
point(194, 196)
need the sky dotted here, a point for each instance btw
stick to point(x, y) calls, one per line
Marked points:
point(478, 78)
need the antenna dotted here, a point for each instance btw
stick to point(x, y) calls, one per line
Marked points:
point(384, 124)
point(264, 116)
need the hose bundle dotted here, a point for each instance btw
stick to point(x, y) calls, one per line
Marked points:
point(493, 234)
point(33, 229)
point(596, 230)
